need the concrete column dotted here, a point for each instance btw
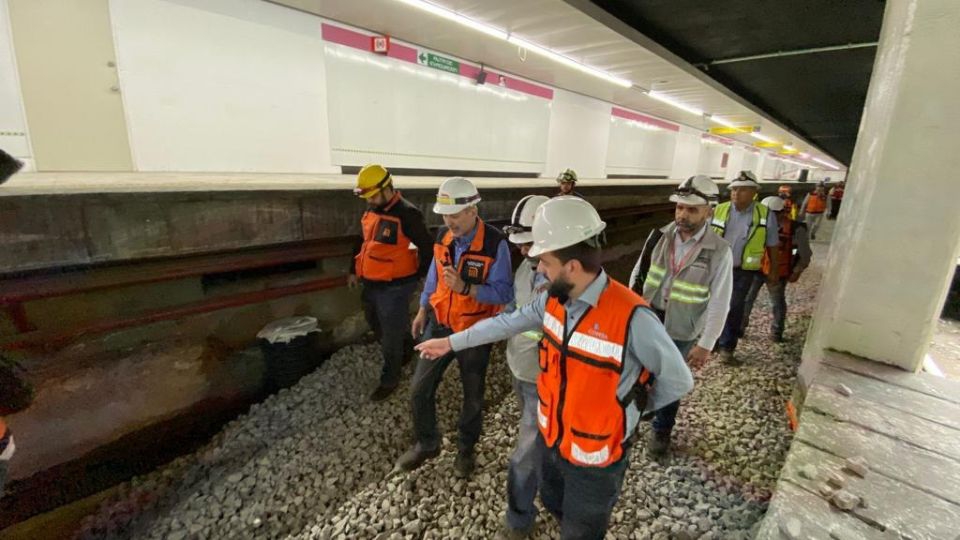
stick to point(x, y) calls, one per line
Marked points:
point(686, 157)
point(896, 243)
point(734, 162)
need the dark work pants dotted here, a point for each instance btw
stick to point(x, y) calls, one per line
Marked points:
point(523, 471)
point(387, 310)
point(742, 280)
point(835, 208)
point(581, 498)
point(473, 373)
point(778, 303)
point(666, 417)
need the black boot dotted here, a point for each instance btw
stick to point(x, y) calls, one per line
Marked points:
point(465, 463)
point(415, 457)
point(659, 442)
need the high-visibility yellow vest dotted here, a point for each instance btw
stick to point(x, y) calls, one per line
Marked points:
point(756, 238)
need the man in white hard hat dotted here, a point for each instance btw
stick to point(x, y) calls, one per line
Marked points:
point(605, 359)
point(795, 255)
point(523, 471)
point(750, 229)
point(685, 271)
point(469, 280)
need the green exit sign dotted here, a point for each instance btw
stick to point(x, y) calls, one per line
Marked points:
point(438, 62)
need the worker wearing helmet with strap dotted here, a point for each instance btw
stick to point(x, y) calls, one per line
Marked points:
point(743, 223)
point(567, 180)
point(685, 271)
point(795, 256)
point(602, 348)
point(393, 254)
point(468, 281)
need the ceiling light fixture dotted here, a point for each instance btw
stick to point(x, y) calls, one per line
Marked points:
point(455, 17)
point(722, 121)
point(673, 103)
point(762, 137)
point(826, 164)
point(569, 62)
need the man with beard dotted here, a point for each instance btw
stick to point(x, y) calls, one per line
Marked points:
point(685, 271)
point(567, 180)
point(605, 360)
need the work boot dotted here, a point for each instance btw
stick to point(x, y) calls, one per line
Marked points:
point(507, 533)
point(382, 392)
point(727, 357)
point(415, 457)
point(658, 442)
point(465, 463)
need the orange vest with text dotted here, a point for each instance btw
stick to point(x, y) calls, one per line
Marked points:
point(785, 248)
point(579, 411)
point(453, 309)
point(816, 204)
point(387, 254)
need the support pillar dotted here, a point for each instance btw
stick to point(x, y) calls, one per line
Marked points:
point(895, 245)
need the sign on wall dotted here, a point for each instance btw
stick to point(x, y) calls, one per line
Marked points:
point(436, 61)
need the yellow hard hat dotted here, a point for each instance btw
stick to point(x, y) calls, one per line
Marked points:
point(371, 180)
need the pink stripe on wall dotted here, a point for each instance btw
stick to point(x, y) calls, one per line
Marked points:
point(358, 40)
point(336, 34)
point(630, 115)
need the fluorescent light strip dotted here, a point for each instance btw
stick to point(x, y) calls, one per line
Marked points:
point(456, 17)
point(762, 137)
point(569, 62)
point(789, 148)
point(723, 121)
point(674, 103)
point(826, 164)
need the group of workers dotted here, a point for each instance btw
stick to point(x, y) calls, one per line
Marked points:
point(590, 356)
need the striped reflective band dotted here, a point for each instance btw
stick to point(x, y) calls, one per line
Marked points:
point(552, 325)
point(655, 275)
point(542, 418)
point(719, 223)
point(443, 199)
point(589, 458)
point(596, 346)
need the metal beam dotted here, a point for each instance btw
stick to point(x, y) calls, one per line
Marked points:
point(797, 52)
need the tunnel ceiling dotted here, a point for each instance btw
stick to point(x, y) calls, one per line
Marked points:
point(819, 95)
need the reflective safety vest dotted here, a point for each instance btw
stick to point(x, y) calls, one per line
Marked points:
point(816, 204)
point(789, 209)
point(837, 193)
point(685, 301)
point(756, 238)
point(579, 411)
point(387, 253)
point(452, 308)
point(785, 248)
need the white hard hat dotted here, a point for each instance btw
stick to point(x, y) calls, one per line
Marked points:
point(562, 222)
point(521, 222)
point(454, 195)
point(773, 203)
point(697, 190)
point(746, 179)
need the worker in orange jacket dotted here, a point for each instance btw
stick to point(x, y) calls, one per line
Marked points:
point(794, 258)
point(389, 261)
point(6, 451)
point(813, 207)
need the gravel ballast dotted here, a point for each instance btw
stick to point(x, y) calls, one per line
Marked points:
point(313, 461)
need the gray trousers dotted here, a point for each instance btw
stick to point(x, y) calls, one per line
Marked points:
point(523, 471)
point(813, 223)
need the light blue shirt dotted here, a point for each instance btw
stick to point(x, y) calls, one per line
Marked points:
point(498, 289)
point(737, 230)
point(648, 345)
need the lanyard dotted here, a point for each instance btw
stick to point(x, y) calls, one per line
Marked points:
point(676, 268)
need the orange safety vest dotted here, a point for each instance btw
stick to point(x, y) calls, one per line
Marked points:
point(816, 204)
point(785, 248)
point(387, 253)
point(453, 309)
point(580, 368)
point(837, 193)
